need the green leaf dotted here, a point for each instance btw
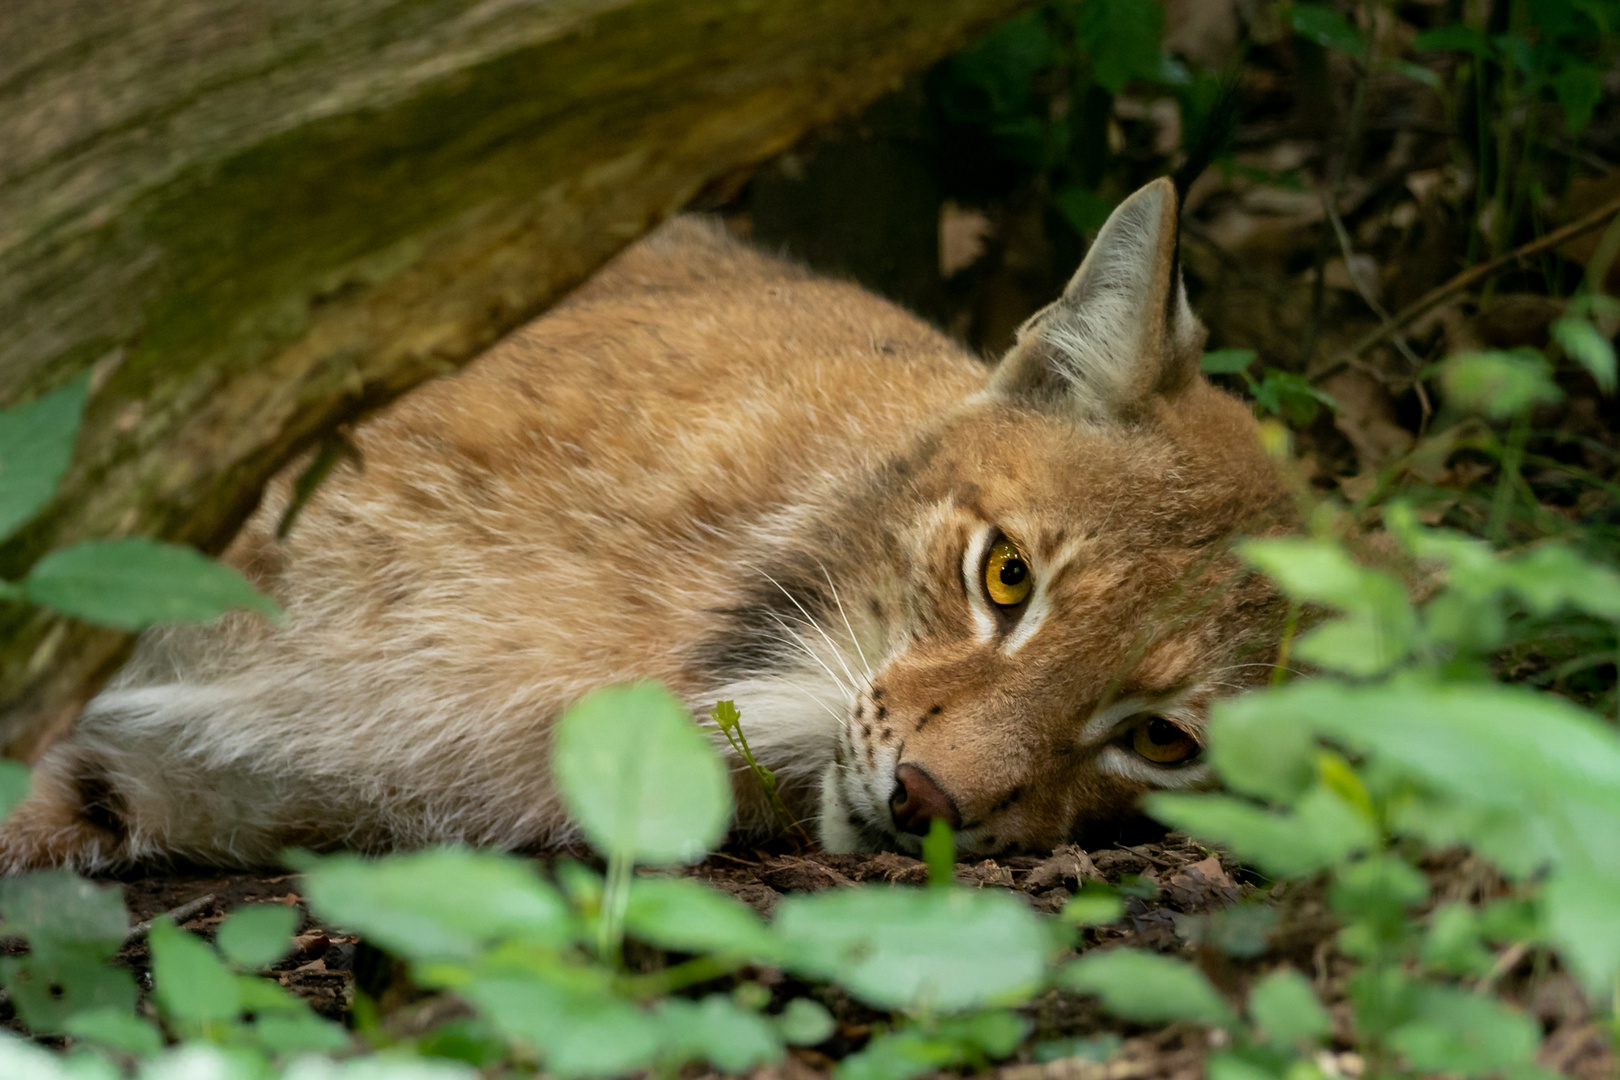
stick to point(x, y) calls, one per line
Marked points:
point(1454, 37)
point(1286, 1010)
point(941, 949)
point(685, 915)
point(258, 935)
point(57, 909)
point(301, 1032)
point(1323, 830)
point(1587, 346)
point(1122, 38)
point(1379, 627)
point(1584, 920)
point(917, 1049)
point(1499, 384)
point(578, 1031)
point(442, 904)
point(1227, 361)
point(639, 777)
point(116, 1029)
point(1085, 210)
point(805, 1022)
point(14, 783)
point(1327, 27)
point(1093, 905)
point(20, 1059)
point(1463, 1034)
point(1580, 91)
point(1454, 943)
point(36, 445)
point(1147, 987)
point(717, 1031)
point(188, 980)
point(132, 584)
point(50, 989)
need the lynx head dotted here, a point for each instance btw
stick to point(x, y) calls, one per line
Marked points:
point(1045, 582)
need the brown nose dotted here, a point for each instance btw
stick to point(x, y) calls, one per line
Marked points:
point(917, 800)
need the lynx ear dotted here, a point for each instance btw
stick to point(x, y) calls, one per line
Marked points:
point(1122, 331)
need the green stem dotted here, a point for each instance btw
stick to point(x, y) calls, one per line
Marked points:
point(615, 898)
point(1285, 650)
point(1508, 483)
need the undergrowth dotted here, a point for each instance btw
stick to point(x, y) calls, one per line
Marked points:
point(1463, 646)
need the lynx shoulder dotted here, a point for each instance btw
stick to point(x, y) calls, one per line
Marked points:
point(998, 594)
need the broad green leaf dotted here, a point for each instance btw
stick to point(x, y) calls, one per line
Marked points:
point(1587, 346)
point(639, 777)
point(1147, 987)
point(1499, 384)
point(1379, 627)
point(1327, 27)
point(36, 444)
point(1284, 1007)
point(1453, 943)
point(190, 982)
point(287, 1034)
point(117, 1029)
point(49, 989)
point(258, 935)
point(1322, 830)
point(1458, 1033)
point(717, 1031)
point(682, 914)
point(57, 909)
point(805, 1022)
point(132, 584)
point(441, 904)
point(942, 949)
point(13, 785)
point(1259, 751)
point(1227, 361)
point(1583, 919)
point(579, 1032)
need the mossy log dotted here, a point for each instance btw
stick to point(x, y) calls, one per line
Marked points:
point(257, 220)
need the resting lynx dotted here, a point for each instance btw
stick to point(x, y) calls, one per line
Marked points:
point(934, 588)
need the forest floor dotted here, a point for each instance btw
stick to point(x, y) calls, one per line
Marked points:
point(1180, 898)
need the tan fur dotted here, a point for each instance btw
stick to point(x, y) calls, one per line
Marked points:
point(713, 469)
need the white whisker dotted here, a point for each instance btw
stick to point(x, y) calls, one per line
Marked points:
point(811, 653)
point(808, 618)
point(845, 615)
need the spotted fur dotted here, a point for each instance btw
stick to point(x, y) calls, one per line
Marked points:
point(714, 469)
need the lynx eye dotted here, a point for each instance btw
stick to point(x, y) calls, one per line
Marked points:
point(1006, 574)
point(1163, 743)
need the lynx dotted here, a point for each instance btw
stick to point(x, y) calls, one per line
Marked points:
point(935, 588)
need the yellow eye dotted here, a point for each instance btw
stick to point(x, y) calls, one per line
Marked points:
point(1006, 575)
point(1163, 743)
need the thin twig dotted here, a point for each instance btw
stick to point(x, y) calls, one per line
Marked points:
point(1440, 294)
point(1378, 309)
point(188, 910)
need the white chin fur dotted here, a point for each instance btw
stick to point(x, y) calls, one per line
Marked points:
point(838, 835)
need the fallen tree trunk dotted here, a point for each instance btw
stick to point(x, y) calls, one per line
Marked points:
point(256, 220)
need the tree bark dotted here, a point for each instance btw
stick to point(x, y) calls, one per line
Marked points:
point(258, 220)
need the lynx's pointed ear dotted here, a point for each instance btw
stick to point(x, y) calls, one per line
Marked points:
point(1122, 331)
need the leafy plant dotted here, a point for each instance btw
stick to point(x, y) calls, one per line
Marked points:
point(127, 584)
